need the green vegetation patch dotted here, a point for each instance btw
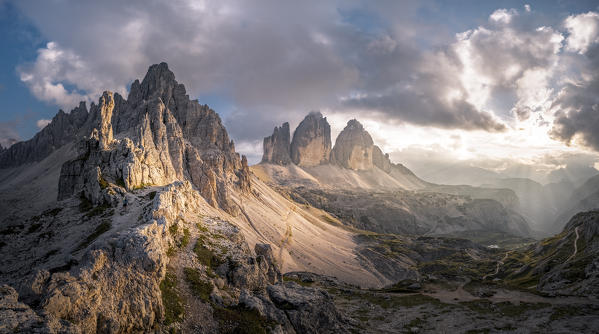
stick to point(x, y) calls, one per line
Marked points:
point(121, 183)
point(202, 228)
point(185, 239)
point(240, 320)
point(103, 183)
point(173, 304)
point(484, 306)
point(199, 287)
point(101, 229)
point(205, 255)
point(173, 229)
point(386, 301)
point(297, 280)
point(97, 211)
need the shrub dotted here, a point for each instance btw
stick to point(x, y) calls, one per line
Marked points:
point(198, 286)
point(173, 304)
point(101, 229)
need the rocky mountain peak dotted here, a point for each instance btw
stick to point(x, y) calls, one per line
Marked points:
point(277, 146)
point(155, 137)
point(311, 144)
point(354, 125)
point(354, 147)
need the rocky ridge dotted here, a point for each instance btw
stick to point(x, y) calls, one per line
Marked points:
point(311, 146)
point(564, 264)
point(156, 136)
point(63, 129)
point(133, 275)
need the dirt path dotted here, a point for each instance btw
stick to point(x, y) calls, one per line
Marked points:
point(499, 264)
point(575, 245)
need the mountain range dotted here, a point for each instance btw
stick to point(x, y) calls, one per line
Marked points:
point(138, 215)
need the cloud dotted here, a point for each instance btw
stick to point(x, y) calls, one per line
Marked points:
point(503, 15)
point(277, 61)
point(41, 123)
point(282, 57)
point(56, 67)
point(469, 84)
point(8, 134)
point(583, 30)
point(577, 104)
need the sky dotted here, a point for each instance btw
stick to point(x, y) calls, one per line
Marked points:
point(509, 86)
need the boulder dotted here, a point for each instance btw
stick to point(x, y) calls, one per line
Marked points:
point(310, 310)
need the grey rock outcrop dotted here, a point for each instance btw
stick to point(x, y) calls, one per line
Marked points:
point(381, 160)
point(353, 148)
point(308, 309)
point(156, 136)
point(277, 146)
point(17, 317)
point(311, 144)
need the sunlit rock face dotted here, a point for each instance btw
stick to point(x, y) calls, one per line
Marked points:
point(277, 146)
point(156, 136)
point(311, 144)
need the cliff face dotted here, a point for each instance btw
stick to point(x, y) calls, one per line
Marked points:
point(277, 147)
point(353, 148)
point(311, 144)
point(156, 136)
point(63, 129)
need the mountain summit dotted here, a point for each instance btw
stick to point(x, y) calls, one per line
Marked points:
point(154, 137)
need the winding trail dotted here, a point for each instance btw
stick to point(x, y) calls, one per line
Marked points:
point(575, 245)
point(499, 264)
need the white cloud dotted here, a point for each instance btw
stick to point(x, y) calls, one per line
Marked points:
point(276, 62)
point(41, 123)
point(584, 31)
point(56, 67)
point(503, 15)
